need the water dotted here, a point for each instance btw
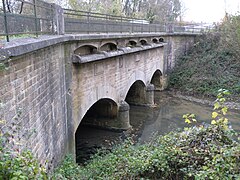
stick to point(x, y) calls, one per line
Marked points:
point(146, 121)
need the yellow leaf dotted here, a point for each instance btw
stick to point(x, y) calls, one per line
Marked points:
point(216, 105)
point(187, 121)
point(194, 120)
point(192, 115)
point(225, 121)
point(214, 114)
point(213, 122)
point(224, 110)
point(185, 116)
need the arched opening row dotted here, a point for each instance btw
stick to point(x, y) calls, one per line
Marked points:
point(108, 47)
point(104, 115)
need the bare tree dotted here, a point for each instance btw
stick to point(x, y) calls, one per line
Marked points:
point(14, 6)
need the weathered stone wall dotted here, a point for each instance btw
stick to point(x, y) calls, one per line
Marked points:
point(35, 86)
point(177, 45)
point(111, 78)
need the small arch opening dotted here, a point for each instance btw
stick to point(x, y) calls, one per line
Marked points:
point(161, 40)
point(136, 94)
point(143, 42)
point(91, 134)
point(157, 80)
point(86, 50)
point(108, 47)
point(155, 40)
point(131, 44)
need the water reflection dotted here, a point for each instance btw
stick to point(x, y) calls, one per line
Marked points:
point(146, 121)
point(168, 115)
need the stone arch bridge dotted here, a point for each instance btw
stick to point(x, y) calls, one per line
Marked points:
point(58, 82)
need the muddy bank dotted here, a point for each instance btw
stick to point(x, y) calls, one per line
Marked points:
point(203, 100)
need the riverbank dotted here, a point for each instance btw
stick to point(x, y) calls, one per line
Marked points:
point(204, 100)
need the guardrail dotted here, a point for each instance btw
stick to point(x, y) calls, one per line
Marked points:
point(89, 22)
point(35, 17)
point(25, 17)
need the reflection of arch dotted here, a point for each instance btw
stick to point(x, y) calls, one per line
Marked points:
point(157, 80)
point(136, 93)
point(161, 39)
point(132, 43)
point(143, 42)
point(86, 50)
point(108, 47)
point(155, 40)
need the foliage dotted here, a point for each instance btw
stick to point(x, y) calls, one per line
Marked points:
point(212, 63)
point(160, 10)
point(68, 169)
point(2, 66)
point(205, 151)
point(16, 163)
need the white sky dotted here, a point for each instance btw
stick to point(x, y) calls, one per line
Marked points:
point(209, 10)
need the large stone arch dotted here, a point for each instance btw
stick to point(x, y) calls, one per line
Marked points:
point(158, 80)
point(93, 95)
point(102, 108)
point(136, 76)
point(137, 93)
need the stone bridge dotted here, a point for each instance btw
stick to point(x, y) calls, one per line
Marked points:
point(53, 84)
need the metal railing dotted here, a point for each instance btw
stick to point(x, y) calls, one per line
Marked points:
point(89, 22)
point(32, 17)
point(35, 17)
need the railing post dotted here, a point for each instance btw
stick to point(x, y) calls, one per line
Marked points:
point(52, 12)
point(58, 19)
point(106, 23)
point(132, 25)
point(121, 25)
point(88, 14)
point(5, 20)
point(35, 17)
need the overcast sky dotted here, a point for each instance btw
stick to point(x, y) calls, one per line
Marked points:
point(209, 10)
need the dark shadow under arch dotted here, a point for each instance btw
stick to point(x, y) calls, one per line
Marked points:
point(137, 93)
point(143, 42)
point(131, 44)
point(155, 40)
point(90, 132)
point(161, 40)
point(85, 50)
point(108, 47)
point(157, 80)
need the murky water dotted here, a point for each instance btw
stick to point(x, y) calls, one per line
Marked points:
point(146, 121)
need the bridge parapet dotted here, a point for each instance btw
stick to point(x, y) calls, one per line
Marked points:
point(44, 18)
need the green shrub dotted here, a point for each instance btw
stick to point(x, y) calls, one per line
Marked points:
point(68, 169)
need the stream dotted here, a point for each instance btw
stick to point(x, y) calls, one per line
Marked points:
point(145, 121)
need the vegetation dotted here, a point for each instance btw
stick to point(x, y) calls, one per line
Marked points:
point(16, 163)
point(203, 151)
point(213, 62)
